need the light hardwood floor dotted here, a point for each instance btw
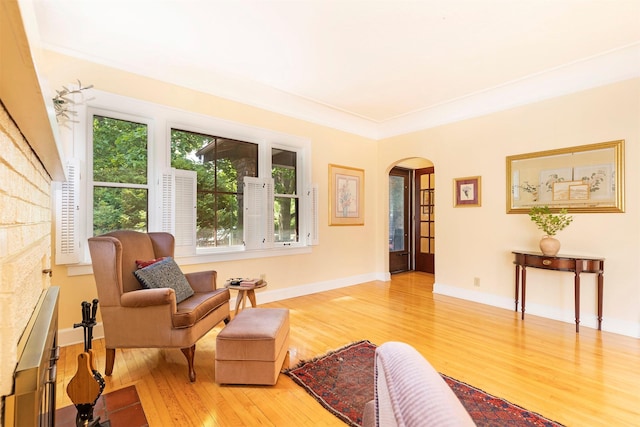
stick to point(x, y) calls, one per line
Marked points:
point(586, 379)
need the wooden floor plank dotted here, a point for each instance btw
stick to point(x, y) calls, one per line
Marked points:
point(585, 379)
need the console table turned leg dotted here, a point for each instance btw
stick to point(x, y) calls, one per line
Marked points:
point(600, 292)
point(524, 288)
point(517, 286)
point(577, 300)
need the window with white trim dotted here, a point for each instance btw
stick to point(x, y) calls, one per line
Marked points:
point(120, 182)
point(221, 164)
point(286, 195)
point(222, 188)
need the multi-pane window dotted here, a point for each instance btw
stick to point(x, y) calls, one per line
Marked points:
point(286, 198)
point(221, 165)
point(120, 183)
point(216, 192)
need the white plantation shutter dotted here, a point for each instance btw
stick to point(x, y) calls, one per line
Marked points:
point(167, 190)
point(67, 211)
point(312, 234)
point(258, 213)
point(179, 192)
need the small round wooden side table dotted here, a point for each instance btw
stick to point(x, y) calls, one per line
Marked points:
point(244, 292)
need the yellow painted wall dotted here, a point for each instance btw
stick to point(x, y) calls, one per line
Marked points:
point(470, 242)
point(343, 251)
point(476, 242)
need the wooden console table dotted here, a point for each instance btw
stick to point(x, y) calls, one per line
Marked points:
point(575, 264)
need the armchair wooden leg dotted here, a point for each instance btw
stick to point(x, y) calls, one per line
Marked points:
point(111, 358)
point(227, 320)
point(190, 353)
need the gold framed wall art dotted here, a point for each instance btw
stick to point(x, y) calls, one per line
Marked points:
point(346, 195)
point(586, 178)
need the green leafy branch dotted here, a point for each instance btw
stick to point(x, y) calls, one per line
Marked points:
point(549, 222)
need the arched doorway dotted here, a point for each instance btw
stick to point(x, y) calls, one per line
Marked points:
point(412, 216)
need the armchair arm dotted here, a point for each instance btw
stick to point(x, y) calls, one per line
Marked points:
point(149, 297)
point(202, 281)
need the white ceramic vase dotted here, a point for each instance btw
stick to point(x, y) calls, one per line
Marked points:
point(549, 245)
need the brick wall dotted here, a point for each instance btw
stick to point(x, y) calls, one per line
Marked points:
point(25, 240)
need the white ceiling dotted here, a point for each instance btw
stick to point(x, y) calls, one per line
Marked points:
point(375, 68)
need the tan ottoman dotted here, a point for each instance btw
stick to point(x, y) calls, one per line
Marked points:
point(252, 347)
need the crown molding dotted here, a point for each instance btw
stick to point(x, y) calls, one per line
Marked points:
point(610, 67)
point(607, 68)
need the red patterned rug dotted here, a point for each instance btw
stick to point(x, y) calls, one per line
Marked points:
point(342, 381)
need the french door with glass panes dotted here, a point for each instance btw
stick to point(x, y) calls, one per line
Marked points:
point(425, 235)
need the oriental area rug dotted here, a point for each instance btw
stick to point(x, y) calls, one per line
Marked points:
point(342, 382)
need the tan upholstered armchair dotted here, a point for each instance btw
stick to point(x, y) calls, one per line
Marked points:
point(134, 317)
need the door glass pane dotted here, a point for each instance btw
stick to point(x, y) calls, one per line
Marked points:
point(424, 245)
point(424, 229)
point(396, 213)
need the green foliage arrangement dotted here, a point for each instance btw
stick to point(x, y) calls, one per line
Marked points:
point(549, 222)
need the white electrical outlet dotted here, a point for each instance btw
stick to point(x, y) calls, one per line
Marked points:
point(476, 282)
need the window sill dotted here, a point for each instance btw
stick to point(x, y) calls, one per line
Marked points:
point(240, 255)
point(86, 269)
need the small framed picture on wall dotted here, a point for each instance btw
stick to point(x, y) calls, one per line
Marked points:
point(466, 192)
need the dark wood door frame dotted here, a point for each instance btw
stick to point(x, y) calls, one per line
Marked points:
point(400, 253)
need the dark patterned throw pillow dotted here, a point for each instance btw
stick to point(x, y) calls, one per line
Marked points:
point(165, 274)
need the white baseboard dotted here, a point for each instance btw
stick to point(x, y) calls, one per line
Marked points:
point(609, 324)
point(313, 288)
point(70, 336)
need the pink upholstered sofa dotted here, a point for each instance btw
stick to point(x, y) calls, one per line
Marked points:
point(409, 392)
